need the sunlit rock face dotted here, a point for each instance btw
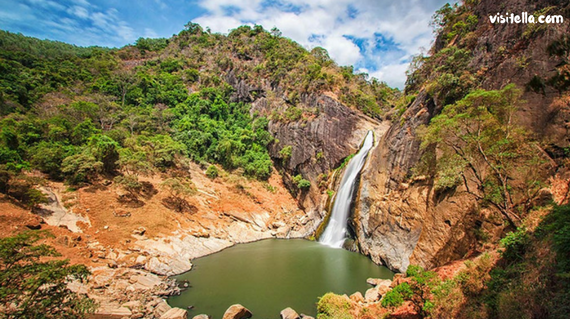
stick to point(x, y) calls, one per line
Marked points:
point(400, 219)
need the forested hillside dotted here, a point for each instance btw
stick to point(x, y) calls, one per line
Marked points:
point(77, 114)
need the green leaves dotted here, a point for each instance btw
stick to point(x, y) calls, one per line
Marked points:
point(396, 296)
point(301, 183)
point(480, 145)
point(31, 288)
point(217, 131)
point(331, 306)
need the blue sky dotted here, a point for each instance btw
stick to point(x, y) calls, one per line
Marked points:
point(376, 36)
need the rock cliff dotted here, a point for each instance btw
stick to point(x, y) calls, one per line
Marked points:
point(319, 142)
point(400, 220)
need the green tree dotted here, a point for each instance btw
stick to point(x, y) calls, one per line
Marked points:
point(81, 168)
point(480, 145)
point(301, 183)
point(422, 284)
point(285, 152)
point(178, 190)
point(31, 287)
point(105, 150)
point(47, 157)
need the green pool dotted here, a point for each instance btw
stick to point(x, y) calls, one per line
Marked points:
point(270, 275)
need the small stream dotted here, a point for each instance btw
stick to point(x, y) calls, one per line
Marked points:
point(270, 275)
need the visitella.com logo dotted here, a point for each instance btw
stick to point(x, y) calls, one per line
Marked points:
point(525, 17)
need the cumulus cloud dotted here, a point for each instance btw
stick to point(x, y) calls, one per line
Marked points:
point(379, 36)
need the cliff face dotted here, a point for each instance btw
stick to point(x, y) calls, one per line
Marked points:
point(319, 142)
point(401, 220)
point(522, 54)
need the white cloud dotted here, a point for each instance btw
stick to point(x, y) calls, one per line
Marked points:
point(75, 21)
point(79, 12)
point(403, 26)
point(391, 73)
point(344, 51)
point(83, 3)
point(219, 23)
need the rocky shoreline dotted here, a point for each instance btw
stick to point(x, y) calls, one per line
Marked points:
point(134, 283)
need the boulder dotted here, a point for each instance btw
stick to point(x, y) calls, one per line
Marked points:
point(201, 317)
point(372, 281)
point(34, 223)
point(304, 316)
point(357, 297)
point(113, 310)
point(372, 295)
point(146, 282)
point(289, 313)
point(139, 231)
point(383, 286)
point(237, 311)
point(168, 265)
point(161, 308)
point(175, 313)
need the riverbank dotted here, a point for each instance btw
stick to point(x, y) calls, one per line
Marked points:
point(133, 249)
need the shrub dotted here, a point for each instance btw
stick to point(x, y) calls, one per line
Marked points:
point(5, 177)
point(293, 113)
point(515, 244)
point(301, 182)
point(22, 188)
point(130, 183)
point(285, 152)
point(80, 168)
point(191, 75)
point(396, 296)
point(212, 171)
point(178, 191)
point(331, 306)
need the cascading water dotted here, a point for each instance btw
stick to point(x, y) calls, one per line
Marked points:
point(335, 232)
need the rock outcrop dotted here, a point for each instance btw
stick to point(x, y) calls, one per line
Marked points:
point(237, 311)
point(328, 132)
point(289, 313)
point(175, 313)
point(400, 220)
point(55, 214)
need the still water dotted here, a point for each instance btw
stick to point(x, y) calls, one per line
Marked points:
point(270, 275)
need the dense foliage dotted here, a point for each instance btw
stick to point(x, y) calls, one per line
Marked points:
point(77, 114)
point(31, 287)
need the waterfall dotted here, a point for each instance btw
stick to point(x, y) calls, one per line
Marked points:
point(335, 232)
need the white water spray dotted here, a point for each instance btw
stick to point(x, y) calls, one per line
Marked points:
point(335, 233)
